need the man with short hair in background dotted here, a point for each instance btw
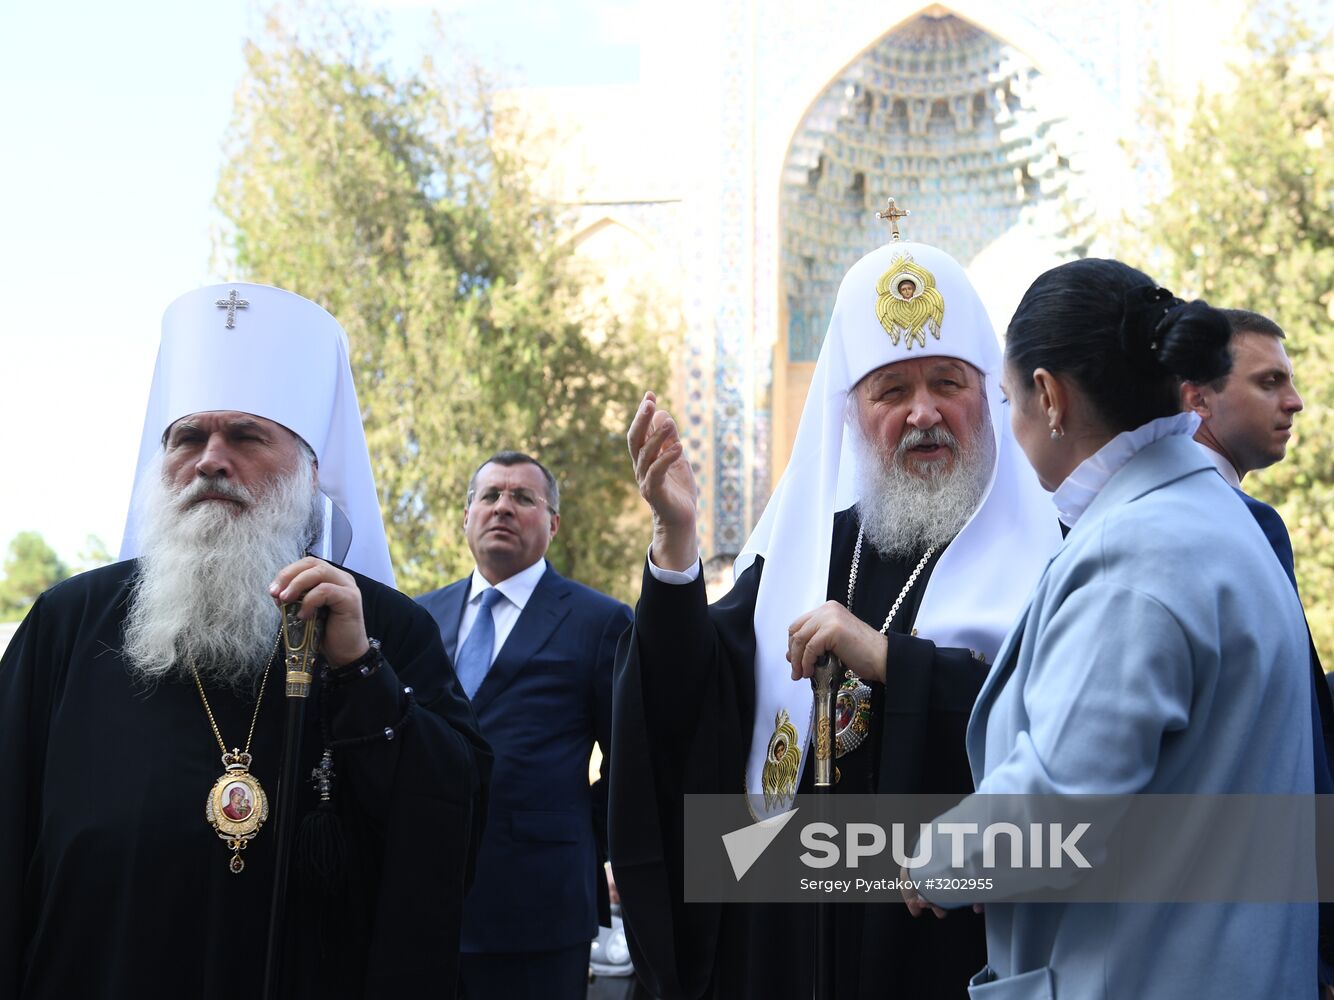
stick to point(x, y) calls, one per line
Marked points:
point(1246, 416)
point(534, 653)
point(1246, 420)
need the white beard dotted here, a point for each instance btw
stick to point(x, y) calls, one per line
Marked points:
point(903, 513)
point(201, 593)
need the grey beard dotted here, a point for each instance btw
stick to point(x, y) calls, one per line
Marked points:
point(903, 513)
point(201, 593)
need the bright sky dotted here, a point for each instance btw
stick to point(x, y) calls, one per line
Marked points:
point(113, 121)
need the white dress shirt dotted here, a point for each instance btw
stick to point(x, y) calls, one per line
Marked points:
point(672, 576)
point(1224, 467)
point(515, 591)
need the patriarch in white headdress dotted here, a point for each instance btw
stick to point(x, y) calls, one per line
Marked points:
point(899, 302)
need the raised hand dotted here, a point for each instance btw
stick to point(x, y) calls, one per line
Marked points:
point(667, 482)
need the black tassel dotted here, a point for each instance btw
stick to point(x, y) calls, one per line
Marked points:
point(321, 847)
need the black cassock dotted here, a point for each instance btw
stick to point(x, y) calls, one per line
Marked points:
point(112, 883)
point(684, 704)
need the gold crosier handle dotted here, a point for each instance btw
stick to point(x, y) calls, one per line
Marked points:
point(301, 642)
point(827, 668)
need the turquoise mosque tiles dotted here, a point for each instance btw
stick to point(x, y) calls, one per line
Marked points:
point(973, 149)
point(734, 411)
point(939, 115)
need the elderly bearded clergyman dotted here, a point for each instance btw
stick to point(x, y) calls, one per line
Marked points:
point(905, 546)
point(142, 705)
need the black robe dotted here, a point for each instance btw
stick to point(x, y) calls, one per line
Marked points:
point(112, 884)
point(682, 715)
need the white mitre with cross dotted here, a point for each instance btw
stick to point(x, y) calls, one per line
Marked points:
point(904, 300)
point(262, 350)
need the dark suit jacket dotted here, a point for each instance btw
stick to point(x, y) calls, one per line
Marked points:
point(547, 697)
point(1322, 709)
point(1276, 532)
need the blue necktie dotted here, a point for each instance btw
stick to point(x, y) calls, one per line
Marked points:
point(475, 656)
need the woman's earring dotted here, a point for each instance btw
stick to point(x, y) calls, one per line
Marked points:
point(1057, 434)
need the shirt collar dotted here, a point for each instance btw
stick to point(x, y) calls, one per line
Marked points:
point(1224, 467)
point(517, 589)
point(1074, 495)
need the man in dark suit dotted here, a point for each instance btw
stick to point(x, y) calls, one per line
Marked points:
point(534, 652)
point(1246, 420)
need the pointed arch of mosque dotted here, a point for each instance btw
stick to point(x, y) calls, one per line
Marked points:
point(610, 225)
point(968, 116)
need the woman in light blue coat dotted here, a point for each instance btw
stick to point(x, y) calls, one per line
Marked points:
point(1163, 650)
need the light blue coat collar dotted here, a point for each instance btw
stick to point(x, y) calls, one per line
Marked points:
point(1080, 488)
point(1158, 463)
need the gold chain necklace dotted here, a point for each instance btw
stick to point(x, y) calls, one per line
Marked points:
point(236, 806)
point(852, 704)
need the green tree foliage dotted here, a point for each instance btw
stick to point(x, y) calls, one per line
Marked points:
point(93, 554)
point(30, 567)
point(403, 202)
point(1249, 223)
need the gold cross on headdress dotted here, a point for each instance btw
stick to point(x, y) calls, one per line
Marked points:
point(231, 303)
point(892, 214)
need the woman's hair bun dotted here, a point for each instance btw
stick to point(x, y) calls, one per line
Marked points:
point(1143, 308)
point(1126, 341)
point(1191, 341)
point(1160, 333)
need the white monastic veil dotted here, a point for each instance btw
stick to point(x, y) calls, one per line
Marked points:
point(983, 579)
point(283, 358)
